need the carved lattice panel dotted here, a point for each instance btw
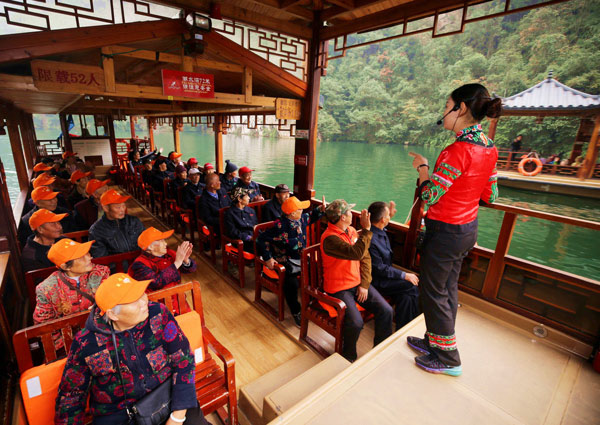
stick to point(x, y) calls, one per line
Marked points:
point(18, 16)
point(285, 51)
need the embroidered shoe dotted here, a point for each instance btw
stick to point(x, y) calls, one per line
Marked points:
point(418, 344)
point(433, 365)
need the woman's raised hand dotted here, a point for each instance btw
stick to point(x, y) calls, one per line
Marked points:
point(418, 159)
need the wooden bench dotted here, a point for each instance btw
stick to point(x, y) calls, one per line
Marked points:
point(81, 236)
point(116, 262)
point(215, 384)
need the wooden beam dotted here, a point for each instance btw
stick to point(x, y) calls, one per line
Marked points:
point(277, 76)
point(150, 132)
point(218, 129)
point(247, 84)
point(16, 47)
point(132, 125)
point(285, 4)
point(176, 138)
point(292, 9)
point(493, 277)
point(341, 11)
point(16, 146)
point(176, 59)
point(108, 64)
point(150, 92)
point(348, 5)
point(589, 163)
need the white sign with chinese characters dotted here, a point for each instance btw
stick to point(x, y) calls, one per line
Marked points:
point(93, 147)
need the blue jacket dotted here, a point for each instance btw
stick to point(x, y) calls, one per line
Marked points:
point(381, 260)
point(226, 184)
point(271, 211)
point(115, 236)
point(190, 191)
point(209, 207)
point(239, 223)
point(253, 188)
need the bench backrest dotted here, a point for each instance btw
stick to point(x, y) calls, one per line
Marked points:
point(312, 268)
point(81, 236)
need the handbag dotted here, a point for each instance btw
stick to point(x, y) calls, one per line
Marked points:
point(152, 409)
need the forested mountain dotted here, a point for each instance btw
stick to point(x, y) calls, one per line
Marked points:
point(395, 91)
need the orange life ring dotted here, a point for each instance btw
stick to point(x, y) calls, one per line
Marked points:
point(525, 161)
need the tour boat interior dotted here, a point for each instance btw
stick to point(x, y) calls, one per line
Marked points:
point(528, 333)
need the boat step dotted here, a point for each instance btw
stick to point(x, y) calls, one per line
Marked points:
point(252, 394)
point(283, 398)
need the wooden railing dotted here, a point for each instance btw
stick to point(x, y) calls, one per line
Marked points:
point(509, 161)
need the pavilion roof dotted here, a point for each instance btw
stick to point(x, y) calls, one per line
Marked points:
point(550, 97)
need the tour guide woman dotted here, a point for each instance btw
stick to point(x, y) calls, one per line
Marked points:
point(464, 175)
point(152, 349)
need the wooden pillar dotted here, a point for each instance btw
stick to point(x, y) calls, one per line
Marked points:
point(28, 134)
point(305, 149)
point(151, 132)
point(587, 169)
point(176, 140)
point(218, 129)
point(67, 145)
point(113, 142)
point(17, 149)
point(132, 125)
point(493, 277)
point(492, 131)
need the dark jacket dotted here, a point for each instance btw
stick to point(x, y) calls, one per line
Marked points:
point(177, 183)
point(253, 188)
point(271, 211)
point(381, 260)
point(150, 353)
point(115, 236)
point(227, 184)
point(87, 210)
point(190, 191)
point(75, 197)
point(157, 179)
point(239, 223)
point(209, 207)
point(71, 223)
point(287, 238)
point(35, 255)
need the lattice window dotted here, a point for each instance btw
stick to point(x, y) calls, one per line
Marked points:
point(18, 16)
point(285, 51)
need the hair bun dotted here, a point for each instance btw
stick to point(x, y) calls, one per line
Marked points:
point(493, 108)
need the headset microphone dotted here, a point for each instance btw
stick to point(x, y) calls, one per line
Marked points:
point(454, 108)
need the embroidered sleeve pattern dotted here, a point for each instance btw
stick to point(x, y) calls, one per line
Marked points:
point(442, 178)
point(490, 193)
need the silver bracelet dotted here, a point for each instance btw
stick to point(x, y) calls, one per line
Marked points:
point(174, 419)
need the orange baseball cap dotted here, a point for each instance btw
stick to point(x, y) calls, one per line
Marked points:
point(292, 204)
point(43, 193)
point(66, 250)
point(40, 166)
point(43, 216)
point(43, 179)
point(175, 155)
point(152, 234)
point(113, 197)
point(120, 288)
point(78, 174)
point(95, 184)
point(68, 154)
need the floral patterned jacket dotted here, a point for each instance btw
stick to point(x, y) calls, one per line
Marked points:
point(150, 353)
point(55, 299)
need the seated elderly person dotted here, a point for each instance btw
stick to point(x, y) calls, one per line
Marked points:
point(45, 179)
point(158, 263)
point(40, 168)
point(272, 209)
point(180, 179)
point(71, 288)
point(173, 160)
point(80, 180)
point(192, 163)
point(44, 197)
point(46, 229)
point(90, 210)
point(229, 178)
point(212, 200)
point(192, 189)
point(116, 232)
point(347, 275)
point(390, 281)
point(245, 182)
point(159, 174)
point(240, 219)
point(149, 342)
point(206, 171)
point(283, 244)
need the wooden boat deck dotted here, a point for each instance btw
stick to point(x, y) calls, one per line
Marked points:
point(509, 377)
point(565, 185)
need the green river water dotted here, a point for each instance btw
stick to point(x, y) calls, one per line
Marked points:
point(362, 173)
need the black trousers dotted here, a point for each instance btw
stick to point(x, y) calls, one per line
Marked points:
point(353, 322)
point(290, 289)
point(444, 248)
point(405, 297)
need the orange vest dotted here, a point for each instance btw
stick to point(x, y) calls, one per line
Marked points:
point(339, 274)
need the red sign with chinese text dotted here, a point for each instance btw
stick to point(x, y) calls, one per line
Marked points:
point(187, 84)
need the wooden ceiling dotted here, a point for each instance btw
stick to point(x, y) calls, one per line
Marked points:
point(340, 17)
